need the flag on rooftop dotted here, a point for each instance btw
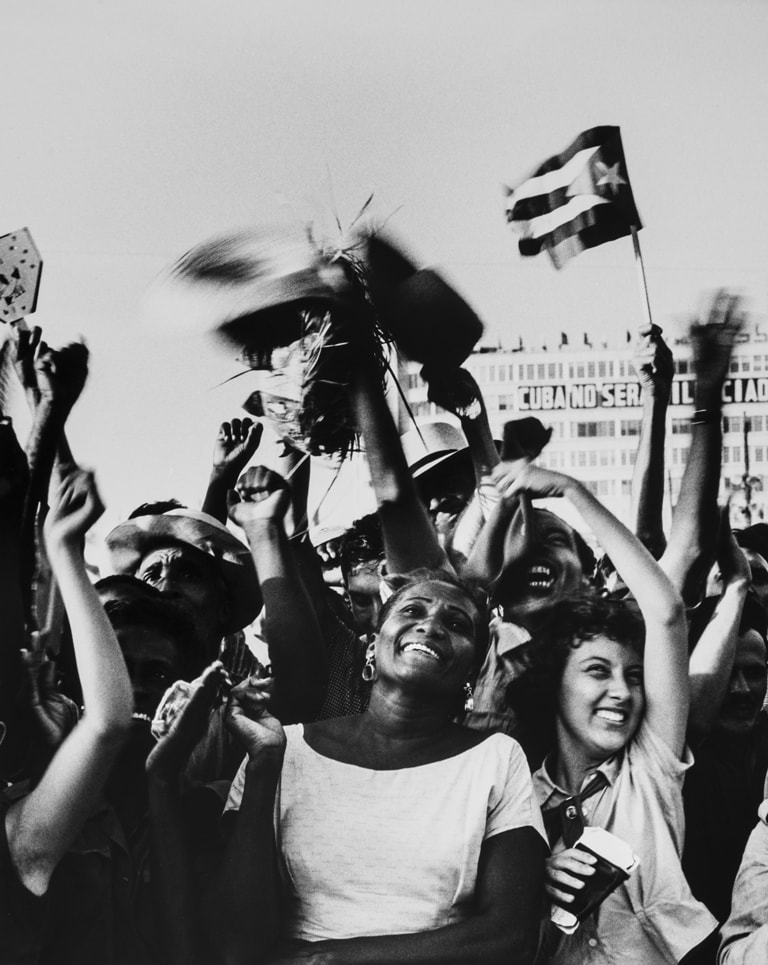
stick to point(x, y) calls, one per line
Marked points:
point(578, 199)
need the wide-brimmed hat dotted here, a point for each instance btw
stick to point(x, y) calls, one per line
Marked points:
point(129, 542)
point(430, 444)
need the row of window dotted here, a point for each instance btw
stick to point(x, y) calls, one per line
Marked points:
point(487, 372)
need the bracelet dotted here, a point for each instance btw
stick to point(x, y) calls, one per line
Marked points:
point(705, 417)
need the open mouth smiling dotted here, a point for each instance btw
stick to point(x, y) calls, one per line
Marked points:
point(612, 716)
point(540, 578)
point(418, 647)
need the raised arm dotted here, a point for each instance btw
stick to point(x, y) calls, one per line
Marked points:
point(654, 366)
point(174, 898)
point(691, 547)
point(247, 896)
point(41, 826)
point(665, 659)
point(296, 647)
point(13, 484)
point(712, 659)
point(410, 540)
point(236, 443)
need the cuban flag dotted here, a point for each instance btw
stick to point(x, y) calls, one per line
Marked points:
point(578, 199)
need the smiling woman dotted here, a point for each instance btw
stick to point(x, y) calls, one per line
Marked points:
point(608, 687)
point(399, 835)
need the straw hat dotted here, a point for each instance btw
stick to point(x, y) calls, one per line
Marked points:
point(429, 444)
point(129, 542)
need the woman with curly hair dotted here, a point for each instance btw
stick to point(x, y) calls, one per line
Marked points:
point(608, 687)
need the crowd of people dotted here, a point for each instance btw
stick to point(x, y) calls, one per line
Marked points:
point(458, 690)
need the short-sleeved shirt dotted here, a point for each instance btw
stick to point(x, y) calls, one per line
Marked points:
point(652, 918)
point(22, 914)
point(379, 852)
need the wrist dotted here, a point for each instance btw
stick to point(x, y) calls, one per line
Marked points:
point(706, 415)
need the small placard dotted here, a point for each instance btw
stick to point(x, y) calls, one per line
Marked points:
point(20, 270)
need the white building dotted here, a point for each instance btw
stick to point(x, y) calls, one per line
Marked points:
point(591, 399)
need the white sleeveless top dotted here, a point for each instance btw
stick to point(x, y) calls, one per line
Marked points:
point(367, 852)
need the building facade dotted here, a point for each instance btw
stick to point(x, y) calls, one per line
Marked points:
point(591, 398)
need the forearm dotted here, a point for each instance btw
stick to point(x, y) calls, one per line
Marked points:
point(712, 659)
point(247, 912)
point(484, 562)
point(291, 627)
point(410, 540)
point(481, 940)
point(654, 593)
point(173, 899)
point(692, 540)
point(482, 448)
point(648, 476)
point(105, 685)
point(215, 499)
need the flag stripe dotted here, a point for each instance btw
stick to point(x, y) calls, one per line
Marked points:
point(547, 223)
point(595, 226)
point(552, 180)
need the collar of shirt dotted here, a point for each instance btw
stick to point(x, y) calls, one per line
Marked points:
point(556, 794)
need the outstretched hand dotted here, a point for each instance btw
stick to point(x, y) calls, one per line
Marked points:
point(249, 719)
point(236, 442)
point(455, 391)
point(653, 363)
point(75, 507)
point(537, 482)
point(260, 495)
point(26, 345)
point(712, 342)
point(61, 374)
point(172, 752)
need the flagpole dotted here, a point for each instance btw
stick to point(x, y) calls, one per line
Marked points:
point(645, 329)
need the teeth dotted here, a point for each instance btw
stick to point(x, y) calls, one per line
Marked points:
point(138, 716)
point(421, 648)
point(615, 716)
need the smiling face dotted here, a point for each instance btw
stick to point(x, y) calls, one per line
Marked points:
point(746, 688)
point(364, 596)
point(551, 570)
point(427, 640)
point(601, 699)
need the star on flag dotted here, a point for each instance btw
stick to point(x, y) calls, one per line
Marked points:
point(578, 199)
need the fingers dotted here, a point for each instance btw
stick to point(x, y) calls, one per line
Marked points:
point(568, 870)
point(257, 483)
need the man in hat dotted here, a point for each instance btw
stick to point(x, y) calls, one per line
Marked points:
point(194, 558)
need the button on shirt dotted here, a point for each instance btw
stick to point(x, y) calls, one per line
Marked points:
point(652, 918)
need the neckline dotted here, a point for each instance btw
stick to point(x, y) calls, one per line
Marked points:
point(393, 770)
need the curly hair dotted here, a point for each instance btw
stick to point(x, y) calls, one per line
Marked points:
point(534, 696)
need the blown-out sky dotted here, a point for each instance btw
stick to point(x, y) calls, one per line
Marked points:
point(132, 131)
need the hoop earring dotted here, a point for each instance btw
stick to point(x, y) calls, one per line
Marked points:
point(369, 668)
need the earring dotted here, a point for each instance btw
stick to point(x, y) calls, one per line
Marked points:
point(469, 701)
point(369, 669)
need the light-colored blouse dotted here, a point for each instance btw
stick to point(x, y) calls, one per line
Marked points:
point(370, 852)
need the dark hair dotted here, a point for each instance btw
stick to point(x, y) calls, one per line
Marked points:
point(361, 543)
point(575, 619)
point(400, 582)
point(156, 508)
point(166, 618)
